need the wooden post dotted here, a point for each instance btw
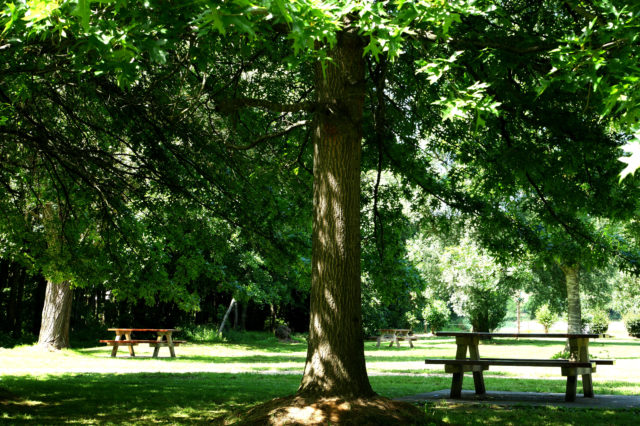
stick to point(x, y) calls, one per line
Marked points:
point(114, 350)
point(478, 378)
point(170, 344)
point(572, 382)
point(156, 349)
point(130, 346)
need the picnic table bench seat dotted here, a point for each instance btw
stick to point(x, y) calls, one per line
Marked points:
point(137, 341)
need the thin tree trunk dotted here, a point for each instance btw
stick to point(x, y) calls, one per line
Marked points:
point(272, 317)
point(56, 315)
point(235, 317)
point(17, 319)
point(226, 315)
point(518, 303)
point(335, 364)
point(243, 315)
point(574, 314)
point(4, 283)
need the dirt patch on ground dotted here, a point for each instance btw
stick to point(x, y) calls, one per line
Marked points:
point(296, 410)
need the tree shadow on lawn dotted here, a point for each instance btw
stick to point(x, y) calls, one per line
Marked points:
point(192, 397)
point(137, 397)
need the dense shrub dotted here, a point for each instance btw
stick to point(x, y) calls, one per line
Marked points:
point(201, 333)
point(545, 317)
point(596, 322)
point(632, 323)
point(436, 315)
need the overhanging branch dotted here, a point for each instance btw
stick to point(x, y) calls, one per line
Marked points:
point(269, 136)
point(229, 106)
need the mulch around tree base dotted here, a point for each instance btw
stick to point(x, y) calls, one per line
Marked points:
point(296, 410)
point(529, 399)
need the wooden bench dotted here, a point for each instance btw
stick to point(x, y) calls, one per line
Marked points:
point(579, 364)
point(123, 338)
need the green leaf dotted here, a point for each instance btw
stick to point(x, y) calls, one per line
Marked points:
point(83, 10)
point(632, 161)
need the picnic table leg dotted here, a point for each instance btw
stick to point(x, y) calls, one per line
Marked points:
point(410, 341)
point(478, 377)
point(456, 381)
point(131, 351)
point(379, 339)
point(572, 383)
point(587, 386)
point(395, 339)
point(170, 344)
point(114, 350)
point(583, 356)
point(456, 385)
point(156, 349)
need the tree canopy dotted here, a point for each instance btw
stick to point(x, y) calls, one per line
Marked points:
point(512, 112)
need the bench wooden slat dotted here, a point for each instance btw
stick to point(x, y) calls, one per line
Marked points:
point(510, 362)
point(519, 335)
point(164, 330)
point(163, 344)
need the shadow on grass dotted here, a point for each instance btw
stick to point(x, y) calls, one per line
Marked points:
point(194, 397)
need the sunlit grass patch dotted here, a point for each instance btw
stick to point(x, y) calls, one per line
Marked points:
point(211, 382)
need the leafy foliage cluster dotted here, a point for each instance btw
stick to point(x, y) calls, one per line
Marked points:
point(546, 317)
point(632, 323)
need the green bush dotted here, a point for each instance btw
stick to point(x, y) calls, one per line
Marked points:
point(632, 323)
point(201, 333)
point(436, 315)
point(598, 322)
point(545, 317)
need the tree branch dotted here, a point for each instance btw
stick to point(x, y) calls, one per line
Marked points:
point(270, 136)
point(229, 106)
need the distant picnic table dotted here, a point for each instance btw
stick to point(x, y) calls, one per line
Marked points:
point(394, 335)
point(578, 363)
point(124, 338)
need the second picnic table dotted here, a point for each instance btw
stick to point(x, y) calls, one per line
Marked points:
point(578, 363)
point(123, 338)
point(394, 335)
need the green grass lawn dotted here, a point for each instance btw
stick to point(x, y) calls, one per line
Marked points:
point(211, 382)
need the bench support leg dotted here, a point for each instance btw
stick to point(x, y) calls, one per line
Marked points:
point(572, 383)
point(379, 339)
point(478, 383)
point(114, 350)
point(587, 386)
point(131, 351)
point(170, 344)
point(456, 385)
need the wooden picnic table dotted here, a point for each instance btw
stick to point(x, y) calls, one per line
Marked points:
point(163, 339)
point(578, 363)
point(395, 335)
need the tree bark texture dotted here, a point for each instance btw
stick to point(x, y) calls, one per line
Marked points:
point(56, 315)
point(56, 312)
point(335, 364)
point(574, 314)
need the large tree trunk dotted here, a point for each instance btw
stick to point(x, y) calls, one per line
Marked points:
point(574, 314)
point(335, 363)
point(56, 315)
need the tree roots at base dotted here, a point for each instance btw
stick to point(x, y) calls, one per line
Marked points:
point(298, 410)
